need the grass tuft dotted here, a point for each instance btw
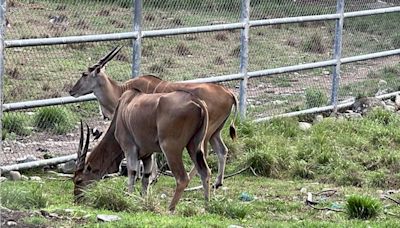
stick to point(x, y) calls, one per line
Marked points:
point(56, 119)
point(315, 98)
point(314, 44)
point(362, 207)
point(29, 198)
point(16, 123)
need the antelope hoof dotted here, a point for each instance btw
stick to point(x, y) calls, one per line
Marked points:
point(216, 185)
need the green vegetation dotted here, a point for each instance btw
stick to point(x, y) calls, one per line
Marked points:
point(57, 119)
point(315, 98)
point(353, 156)
point(16, 123)
point(14, 197)
point(362, 207)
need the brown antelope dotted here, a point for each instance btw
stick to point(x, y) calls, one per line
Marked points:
point(167, 123)
point(219, 101)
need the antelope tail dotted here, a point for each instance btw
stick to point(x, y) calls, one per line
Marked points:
point(232, 128)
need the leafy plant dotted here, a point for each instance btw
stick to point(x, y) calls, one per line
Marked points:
point(362, 207)
point(57, 119)
point(16, 123)
point(315, 98)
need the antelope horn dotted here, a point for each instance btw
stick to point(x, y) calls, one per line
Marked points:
point(106, 58)
point(82, 153)
point(79, 163)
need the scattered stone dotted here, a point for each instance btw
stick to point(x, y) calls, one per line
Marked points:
point(304, 126)
point(2, 179)
point(11, 223)
point(382, 83)
point(397, 100)
point(29, 158)
point(35, 178)
point(352, 115)
point(318, 118)
point(108, 218)
point(41, 149)
point(279, 102)
point(303, 190)
point(235, 226)
point(163, 196)
point(24, 178)
point(365, 104)
point(68, 167)
point(390, 108)
point(326, 72)
point(15, 175)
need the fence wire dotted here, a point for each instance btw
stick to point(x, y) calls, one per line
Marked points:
point(44, 72)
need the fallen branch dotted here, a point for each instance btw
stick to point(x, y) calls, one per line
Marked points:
point(323, 208)
point(238, 172)
point(253, 171)
point(390, 198)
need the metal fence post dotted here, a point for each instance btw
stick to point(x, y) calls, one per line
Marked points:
point(2, 51)
point(137, 43)
point(337, 53)
point(244, 56)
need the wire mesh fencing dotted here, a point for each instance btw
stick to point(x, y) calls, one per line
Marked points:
point(44, 72)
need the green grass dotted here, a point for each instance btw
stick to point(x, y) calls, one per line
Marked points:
point(362, 207)
point(57, 119)
point(17, 123)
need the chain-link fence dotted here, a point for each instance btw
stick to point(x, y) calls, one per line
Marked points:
point(42, 72)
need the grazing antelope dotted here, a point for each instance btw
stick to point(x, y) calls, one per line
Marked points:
point(219, 101)
point(167, 123)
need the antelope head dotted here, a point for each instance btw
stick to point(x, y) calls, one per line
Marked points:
point(94, 76)
point(83, 173)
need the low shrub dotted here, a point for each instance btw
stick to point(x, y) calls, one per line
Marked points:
point(314, 44)
point(16, 123)
point(362, 207)
point(315, 98)
point(227, 208)
point(56, 119)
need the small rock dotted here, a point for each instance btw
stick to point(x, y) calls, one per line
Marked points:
point(352, 115)
point(163, 196)
point(28, 158)
point(235, 226)
point(390, 108)
point(303, 190)
point(15, 175)
point(2, 179)
point(382, 83)
point(304, 126)
point(379, 192)
point(35, 178)
point(68, 167)
point(325, 72)
point(397, 100)
point(318, 118)
point(11, 223)
point(108, 218)
point(25, 178)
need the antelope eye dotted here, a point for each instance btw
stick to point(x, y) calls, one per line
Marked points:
point(84, 74)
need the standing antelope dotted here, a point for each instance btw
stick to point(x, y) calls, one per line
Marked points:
point(167, 123)
point(218, 99)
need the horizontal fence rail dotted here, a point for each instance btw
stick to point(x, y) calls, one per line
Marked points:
point(213, 79)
